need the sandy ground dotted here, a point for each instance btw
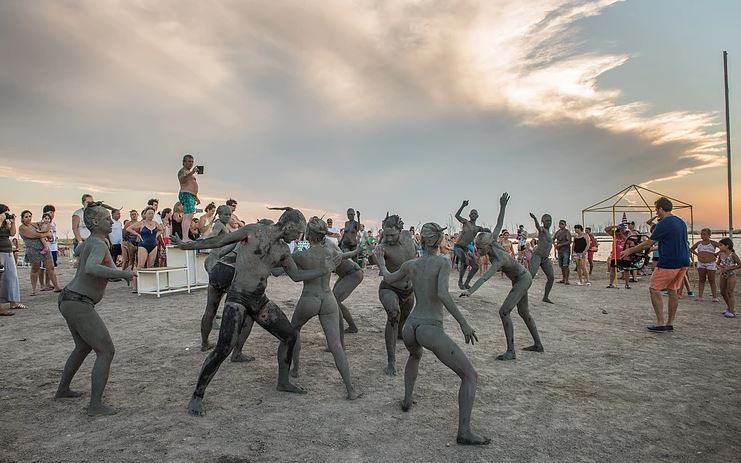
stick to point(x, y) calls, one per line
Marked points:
point(604, 390)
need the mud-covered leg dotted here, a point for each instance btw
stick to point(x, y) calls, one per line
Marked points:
point(306, 308)
point(328, 318)
point(545, 264)
point(504, 313)
point(390, 302)
point(448, 352)
point(244, 333)
point(78, 355)
point(474, 269)
point(342, 290)
point(462, 265)
point(523, 310)
point(411, 370)
point(232, 319)
point(213, 299)
point(275, 322)
point(406, 308)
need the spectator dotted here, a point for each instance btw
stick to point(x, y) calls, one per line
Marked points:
point(232, 203)
point(188, 195)
point(581, 244)
point(177, 220)
point(154, 204)
point(206, 221)
point(593, 247)
point(116, 236)
point(728, 262)
point(671, 234)
point(147, 230)
point(32, 241)
point(332, 233)
point(78, 225)
point(618, 246)
point(10, 290)
point(706, 265)
point(53, 242)
point(129, 243)
point(562, 240)
point(194, 233)
point(43, 227)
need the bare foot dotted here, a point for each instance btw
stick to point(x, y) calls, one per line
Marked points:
point(288, 387)
point(295, 373)
point(240, 357)
point(68, 394)
point(352, 394)
point(207, 347)
point(545, 299)
point(470, 438)
point(406, 404)
point(390, 369)
point(351, 329)
point(509, 355)
point(460, 285)
point(101, 410)
point(195, 407)
point(534, 348)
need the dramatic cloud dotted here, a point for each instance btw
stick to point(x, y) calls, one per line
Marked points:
point(331, 103)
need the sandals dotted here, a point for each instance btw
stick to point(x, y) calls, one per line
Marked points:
point(715, 299)
point(6, 314)
point(19, 307)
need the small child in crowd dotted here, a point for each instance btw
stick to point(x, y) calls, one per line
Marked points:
point(728, 262)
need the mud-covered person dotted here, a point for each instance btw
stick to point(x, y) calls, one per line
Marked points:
point(262, 248)
point(77, 305)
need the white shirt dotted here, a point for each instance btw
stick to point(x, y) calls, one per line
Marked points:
point(158, 218)
point(53, 245)
point(84, 232)
point(116, 234)
point(332, 238)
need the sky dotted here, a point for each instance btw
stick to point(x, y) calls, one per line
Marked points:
point(407, 106)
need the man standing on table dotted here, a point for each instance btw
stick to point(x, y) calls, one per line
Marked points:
point(188, 195)
point(671, 234)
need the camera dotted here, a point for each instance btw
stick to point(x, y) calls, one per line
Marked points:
point(9, 216)
point(199, 169)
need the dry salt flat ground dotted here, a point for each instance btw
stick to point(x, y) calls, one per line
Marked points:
point(605, 389)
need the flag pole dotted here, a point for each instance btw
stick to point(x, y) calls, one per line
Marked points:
point(728, 147)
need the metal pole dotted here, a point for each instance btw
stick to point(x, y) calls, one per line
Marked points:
point(728, 147)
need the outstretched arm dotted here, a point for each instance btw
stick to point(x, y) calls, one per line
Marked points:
point(493, 269)
point(444, 295)
point(636, 249)
point(215, 241)
point(398, 275)
point(296, 274)
point(537, 224)
point(500, 218)
point(460, 209)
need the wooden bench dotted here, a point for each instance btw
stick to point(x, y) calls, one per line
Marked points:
point(157, 280)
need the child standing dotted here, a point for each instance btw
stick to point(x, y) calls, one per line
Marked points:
point(728, 262)
point(706, 265)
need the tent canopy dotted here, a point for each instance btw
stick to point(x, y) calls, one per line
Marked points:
point(634, 199)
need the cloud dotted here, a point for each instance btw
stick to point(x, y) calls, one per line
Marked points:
point(328, 100)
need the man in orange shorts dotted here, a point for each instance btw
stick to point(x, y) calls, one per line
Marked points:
point(671, 234)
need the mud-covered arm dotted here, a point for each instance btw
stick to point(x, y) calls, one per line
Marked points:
point(398, 275)
point(444, 295)
point(296, 274)
point(493, 269)
point(503, 200)
point(213, 242)
point(458, 213)
point(537, 224)
point(349, 254)
point(94, 265)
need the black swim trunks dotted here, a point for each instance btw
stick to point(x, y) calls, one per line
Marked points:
point(69, 295)
point(346, 267)
point(221, 276)
point(402, 294)
point(253, 301)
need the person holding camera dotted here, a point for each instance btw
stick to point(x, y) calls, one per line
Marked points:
point(10, 289)
point(188, 195)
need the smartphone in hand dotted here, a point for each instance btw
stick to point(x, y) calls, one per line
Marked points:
point(199, 170)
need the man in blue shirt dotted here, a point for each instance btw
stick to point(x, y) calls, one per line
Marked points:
point(671, 234)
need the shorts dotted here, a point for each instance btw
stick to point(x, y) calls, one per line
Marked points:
point(253, 301)
point(564, 257)
point(590, 255)
point(667, 278)
point(708, 266)
point(579, 255)
point(220, 277)
point(115, 251)
point(69, 295)
point(188, 200)
point(402, 294)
